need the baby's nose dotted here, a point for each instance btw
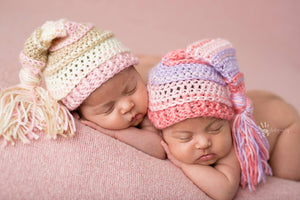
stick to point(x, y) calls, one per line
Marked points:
point(126, 106)
point(203, 142)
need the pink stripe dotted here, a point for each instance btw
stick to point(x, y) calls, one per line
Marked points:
point(207, 49)
point(170, 94)
point(164, 118)
point(34, 65)
point(75, 32)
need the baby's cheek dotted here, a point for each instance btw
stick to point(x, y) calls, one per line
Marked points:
point(226, 147)
point(141, 100)
point(180, 153)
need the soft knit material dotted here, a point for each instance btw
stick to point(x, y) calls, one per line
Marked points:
point(75, 59)
point(92, 165)
point(191, 83)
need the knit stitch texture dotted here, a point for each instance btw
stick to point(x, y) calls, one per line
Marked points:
point(184, 85)
point(75, 59)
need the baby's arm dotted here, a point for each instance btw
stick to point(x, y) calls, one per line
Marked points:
point(144, 140)
point(220, 181)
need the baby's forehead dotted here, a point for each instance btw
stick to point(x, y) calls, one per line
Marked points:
point(128, 71)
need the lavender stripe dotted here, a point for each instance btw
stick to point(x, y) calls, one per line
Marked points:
point(226, 65)
point(162, 74)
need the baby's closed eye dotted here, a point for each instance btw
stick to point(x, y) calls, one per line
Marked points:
point(216, 126)
point(106, 108)
point(183, 136)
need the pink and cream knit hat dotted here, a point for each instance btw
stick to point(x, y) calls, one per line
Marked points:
point(75, 59)
point(203, 80)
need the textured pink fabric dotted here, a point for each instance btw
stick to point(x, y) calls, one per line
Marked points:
point(88, 166)
point(94, 166)
point(175, 114)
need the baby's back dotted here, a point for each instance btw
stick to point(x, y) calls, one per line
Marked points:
point(280, 123)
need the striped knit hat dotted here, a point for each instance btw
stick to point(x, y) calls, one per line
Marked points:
point(204, 80)
point(74, 59)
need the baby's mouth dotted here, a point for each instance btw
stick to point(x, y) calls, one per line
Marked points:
point(206, 157)
point(136, 117)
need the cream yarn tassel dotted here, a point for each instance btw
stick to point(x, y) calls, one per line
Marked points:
point(28, 111)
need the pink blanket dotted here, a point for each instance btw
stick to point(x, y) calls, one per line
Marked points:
point(94, 166)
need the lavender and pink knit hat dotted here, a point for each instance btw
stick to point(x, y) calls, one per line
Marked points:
point(182, 86)
point(203, 80)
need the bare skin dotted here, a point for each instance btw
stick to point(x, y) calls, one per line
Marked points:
point(281, 124)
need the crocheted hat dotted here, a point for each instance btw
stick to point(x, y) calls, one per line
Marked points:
point(74, 59)
point(181, 87)
point(203, 80)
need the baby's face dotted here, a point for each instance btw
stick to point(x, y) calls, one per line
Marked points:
point(119, 103)
point(199, 140)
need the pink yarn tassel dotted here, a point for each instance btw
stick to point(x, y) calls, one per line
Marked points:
point(251, 146)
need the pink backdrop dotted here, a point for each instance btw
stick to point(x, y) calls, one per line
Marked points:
point(265, 33)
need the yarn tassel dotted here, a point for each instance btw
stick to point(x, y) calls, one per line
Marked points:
point(250, 144)
point(28, 112)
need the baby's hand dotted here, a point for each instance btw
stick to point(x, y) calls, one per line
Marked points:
point(108, 132)
point(176, 162)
